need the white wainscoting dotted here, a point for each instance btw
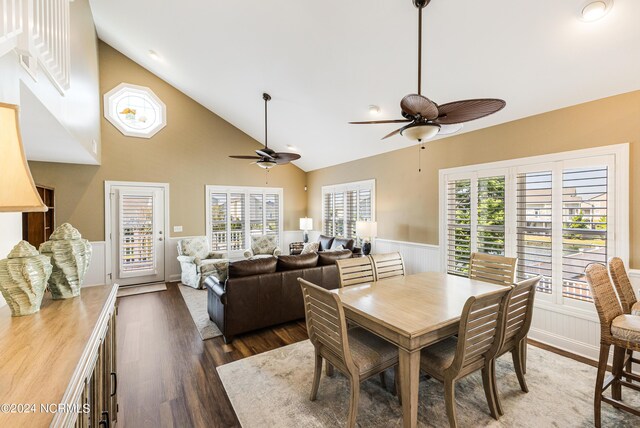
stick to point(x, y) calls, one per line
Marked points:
point(417, 257)
point(96, 274)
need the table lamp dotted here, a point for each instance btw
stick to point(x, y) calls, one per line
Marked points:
point(306, 224)
point(367, 230)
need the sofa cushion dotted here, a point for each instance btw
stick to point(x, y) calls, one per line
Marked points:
point(264, 244)
point(329, 257)
point(252, 267)
point(325, 242)
point(345, 242)
point(301, 261)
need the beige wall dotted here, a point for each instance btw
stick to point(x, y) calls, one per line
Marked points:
point(407, 201)
point(189, 153)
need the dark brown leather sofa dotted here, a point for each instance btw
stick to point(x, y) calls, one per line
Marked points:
point(265, 292)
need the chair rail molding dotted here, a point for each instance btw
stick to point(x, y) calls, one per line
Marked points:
point(40, 32)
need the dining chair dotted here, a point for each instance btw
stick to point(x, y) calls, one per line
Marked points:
point(355, 352)
point(356, 270)
point(480, 335)
point(491, 268)
point(627, 297)
point(388, 265)
point(617, 329)
point(519, 313)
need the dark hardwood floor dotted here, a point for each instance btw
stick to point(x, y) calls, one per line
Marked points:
point(167, 374)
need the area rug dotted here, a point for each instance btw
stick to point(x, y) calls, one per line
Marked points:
point(141, 289)
point(272, 390)
point(196, 301)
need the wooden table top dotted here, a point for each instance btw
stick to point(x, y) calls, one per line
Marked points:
point(413, 305)
point(41, 353)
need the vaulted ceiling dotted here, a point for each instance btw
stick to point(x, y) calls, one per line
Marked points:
point(325, 62)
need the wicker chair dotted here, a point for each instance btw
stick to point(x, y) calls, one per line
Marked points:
point(355, 352)
point(518, 321)
point(627, 296)
point(480, 335)
point(356, 270)
point(388, 265)
point(619, 330)
point(495, 269)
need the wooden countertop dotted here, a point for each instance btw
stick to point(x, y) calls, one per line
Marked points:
point(42, 354)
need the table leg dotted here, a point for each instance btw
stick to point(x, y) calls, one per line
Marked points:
point(409, 378)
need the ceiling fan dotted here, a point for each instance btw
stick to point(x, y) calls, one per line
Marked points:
point(427, 119)
point(267, 158)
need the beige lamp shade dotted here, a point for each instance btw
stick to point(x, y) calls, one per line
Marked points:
point(306, 223)
point(366, 229)
point(17, 191)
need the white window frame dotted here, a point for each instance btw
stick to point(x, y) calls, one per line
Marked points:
point(617, 227)
point(246, 191)
point(344, 187)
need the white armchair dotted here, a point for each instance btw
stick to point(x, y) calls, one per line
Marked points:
point(198, 262)
point(263, 246)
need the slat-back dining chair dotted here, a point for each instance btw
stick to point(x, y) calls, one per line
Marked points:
point(355, 352)
point(617, 329)
point(627, 297)
point(356, 270)
point(490, 268)
point(388, 265)
point(519, 313)
point(480, 335)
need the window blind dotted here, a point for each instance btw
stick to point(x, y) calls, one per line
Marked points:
point(338, 214)
point(237, 221)
point(351, 213)
point(218, 214)
point(256, 213)
point(328, 215)
point(490, 215)
point(272, 211)
point(534, 227)
point(458, 226)
point(136, 233)
point(345, 204)
point(584, 226)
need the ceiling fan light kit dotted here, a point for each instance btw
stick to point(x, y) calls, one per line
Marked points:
point(423, 118)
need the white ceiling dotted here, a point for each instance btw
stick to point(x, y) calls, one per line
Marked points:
point(325, 62)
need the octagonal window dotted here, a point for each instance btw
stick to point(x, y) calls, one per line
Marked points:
point(135, 110)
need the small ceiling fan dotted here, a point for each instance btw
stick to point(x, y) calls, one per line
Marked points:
point(427, 119)
point(267, 158)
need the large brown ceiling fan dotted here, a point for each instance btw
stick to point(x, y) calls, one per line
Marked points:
point(267, 158)
point(425, 118)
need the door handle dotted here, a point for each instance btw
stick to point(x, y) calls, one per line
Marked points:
point(160, 239)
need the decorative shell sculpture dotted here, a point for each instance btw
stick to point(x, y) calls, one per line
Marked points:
point(70, 256)
point(23, 279)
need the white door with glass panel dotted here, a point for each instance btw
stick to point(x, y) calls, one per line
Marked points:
point(137, 234)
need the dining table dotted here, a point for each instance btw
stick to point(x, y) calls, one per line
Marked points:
point(412, 312)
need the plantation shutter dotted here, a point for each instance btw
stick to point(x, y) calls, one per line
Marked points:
point(328, 214)
point(338, 214)
point(351, 212)
point(365, 212)
point(458, 226)
point(534, 227)
point(218, 221)
point(136, 234)
point(256, 214)
point(584, 226)
point(236, 221)
point(490, 215)
point(272, 214)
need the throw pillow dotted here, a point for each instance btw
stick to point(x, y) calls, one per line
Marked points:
point(310, 247)
point(265, 244)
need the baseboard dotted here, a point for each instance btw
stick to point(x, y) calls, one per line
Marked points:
point(174, 278)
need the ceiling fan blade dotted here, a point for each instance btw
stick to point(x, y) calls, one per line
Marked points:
point(414, 104)
point(282, 158)
point(375, 122)
point(450, 129)
point(467, 110)
point(266, 153)
point(391, 134)
point(245, 157)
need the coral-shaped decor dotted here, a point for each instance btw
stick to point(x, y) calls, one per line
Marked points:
point(23, 279)
point(70, 256)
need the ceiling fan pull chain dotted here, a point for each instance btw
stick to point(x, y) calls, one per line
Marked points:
point(420, 50)
point(419, 156)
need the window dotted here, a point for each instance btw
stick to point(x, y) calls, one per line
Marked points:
point(555, 213)
point(234, 214)
point(135, 110)
point(344, 204)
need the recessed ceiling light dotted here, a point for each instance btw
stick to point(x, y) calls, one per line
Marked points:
point(154, 55)
point(595, 10)
point(374, 110)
